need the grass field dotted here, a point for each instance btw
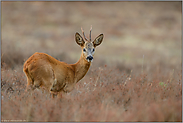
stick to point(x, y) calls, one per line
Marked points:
point(136, 74)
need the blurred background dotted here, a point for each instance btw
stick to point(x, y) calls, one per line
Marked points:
point(137, 35)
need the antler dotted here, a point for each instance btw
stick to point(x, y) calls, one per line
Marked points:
point(90, 32)
point(84, 34)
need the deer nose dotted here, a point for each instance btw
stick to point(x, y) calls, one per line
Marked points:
point(89, 58)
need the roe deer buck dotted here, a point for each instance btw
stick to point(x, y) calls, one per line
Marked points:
point(42, 70)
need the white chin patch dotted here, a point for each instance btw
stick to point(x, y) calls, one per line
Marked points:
point(89, 60)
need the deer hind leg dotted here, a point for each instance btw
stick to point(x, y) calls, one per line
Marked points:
point(29, 85)
point(69, 87)
point(32, 83)
point(30, 80)
point(37, 84)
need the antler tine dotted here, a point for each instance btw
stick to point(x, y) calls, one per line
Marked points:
point(84, 34)
point(90, 32)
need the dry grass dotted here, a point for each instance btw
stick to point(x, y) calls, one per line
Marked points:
point(105, 94)
point(121, 84)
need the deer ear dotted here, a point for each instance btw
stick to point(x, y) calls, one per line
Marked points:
point(79, 39)
point(98, 40)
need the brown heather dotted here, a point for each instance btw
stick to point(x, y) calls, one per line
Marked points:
point(98, 97)
point(121, 84)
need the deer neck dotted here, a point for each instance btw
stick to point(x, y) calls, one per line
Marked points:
point(81, 68)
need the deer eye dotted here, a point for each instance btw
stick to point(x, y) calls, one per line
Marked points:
point(93, 50)
point(84, 50)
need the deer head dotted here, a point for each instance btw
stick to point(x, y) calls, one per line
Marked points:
point(88, 46)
